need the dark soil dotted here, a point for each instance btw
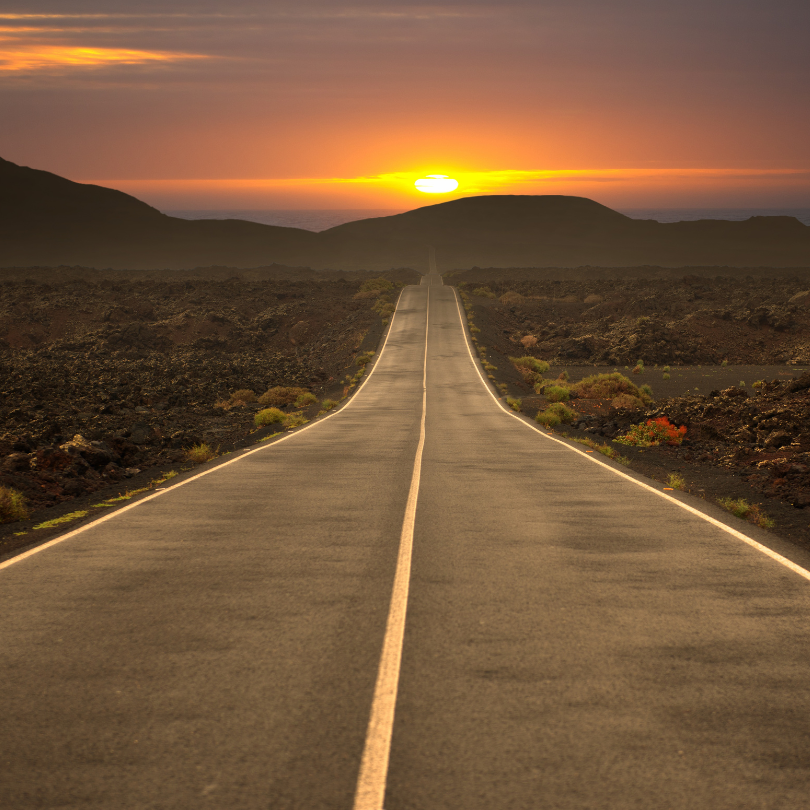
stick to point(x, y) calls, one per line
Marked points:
point(107, 378)
point(745, 438)
point(665, 318)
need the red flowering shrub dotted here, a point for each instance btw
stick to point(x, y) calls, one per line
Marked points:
point(654, 431)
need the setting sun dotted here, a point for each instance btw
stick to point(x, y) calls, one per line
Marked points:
point(436, 184)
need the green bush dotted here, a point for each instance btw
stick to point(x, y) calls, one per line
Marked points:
point(529, 364)
point(364, 358)
point(557, 393)
point(305, 399)
point(646, 390)
point(13, 506)
point(547, 418)
point(555, 414)
point(269, 416)
point(328, 404)
point(484, 292)
point(514, 404)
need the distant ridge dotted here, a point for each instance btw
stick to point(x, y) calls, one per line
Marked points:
point(47, 220)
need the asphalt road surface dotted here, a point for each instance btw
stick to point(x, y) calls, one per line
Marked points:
point(573, 639)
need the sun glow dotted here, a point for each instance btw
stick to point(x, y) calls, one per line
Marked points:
point(436, 184)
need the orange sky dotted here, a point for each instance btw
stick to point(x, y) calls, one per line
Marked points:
point(343, 105)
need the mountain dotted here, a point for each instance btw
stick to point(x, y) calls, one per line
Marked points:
point(46, 220)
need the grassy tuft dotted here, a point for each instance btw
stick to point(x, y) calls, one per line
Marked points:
point(665, 376)
point(130, 493)
point(676, 481)
point(484, 292)
point(328, 404)
point(294, 420)
point(167, 476)
point(71, 516)
point(200, 453)
point(269, 416)
point(12, 505)
point(605, 450)
point(364, 358)
point(749, 511)
point(514, 404)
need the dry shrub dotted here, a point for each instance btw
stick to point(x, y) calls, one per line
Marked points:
point(280, 396)
point(294, 420)
point(484, 292)
point(529, 365)
point(368, 294)
point(243, 396)
point(511, 298)
point(379, 284)
point(609, 386)
point(528, 341)
point(200, 453)
point(384, 307)
point(626, 401)
point(12, 505)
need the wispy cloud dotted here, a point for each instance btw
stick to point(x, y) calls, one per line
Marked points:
point(18, 56)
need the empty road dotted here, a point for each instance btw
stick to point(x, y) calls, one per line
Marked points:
point(552, 634)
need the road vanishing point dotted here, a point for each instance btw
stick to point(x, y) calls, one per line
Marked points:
point(421, 602)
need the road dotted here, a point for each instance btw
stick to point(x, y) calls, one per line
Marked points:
point(573, 639)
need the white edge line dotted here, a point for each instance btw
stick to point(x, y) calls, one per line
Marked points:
point(242, 455)
point(797, 569)
point(373, 774)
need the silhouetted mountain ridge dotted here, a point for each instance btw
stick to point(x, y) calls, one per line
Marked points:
point(46, 220)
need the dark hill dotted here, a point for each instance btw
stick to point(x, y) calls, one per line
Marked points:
point(47, 220)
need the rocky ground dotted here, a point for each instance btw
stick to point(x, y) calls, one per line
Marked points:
point(748, 427)
point(106, 379)
point(666, 317)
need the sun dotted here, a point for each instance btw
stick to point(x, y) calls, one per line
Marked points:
point(436, 184)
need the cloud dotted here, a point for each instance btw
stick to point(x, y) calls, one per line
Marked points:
point(22, 57)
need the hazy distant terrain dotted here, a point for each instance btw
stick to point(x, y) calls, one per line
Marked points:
point(46, 220)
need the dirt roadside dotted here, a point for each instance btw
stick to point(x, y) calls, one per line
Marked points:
point(106, 382)
point(726, 360)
